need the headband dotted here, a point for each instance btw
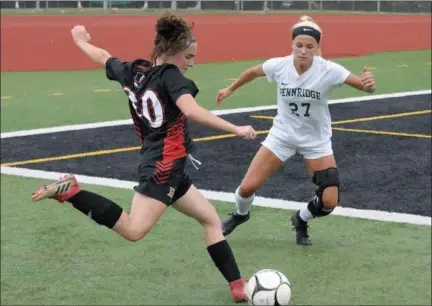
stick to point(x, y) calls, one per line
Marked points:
point(306, 31)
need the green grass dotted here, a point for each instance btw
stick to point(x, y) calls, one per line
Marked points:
point(78, 86)
point(52, 254)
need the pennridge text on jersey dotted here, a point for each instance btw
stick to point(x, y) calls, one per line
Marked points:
point(299, 92)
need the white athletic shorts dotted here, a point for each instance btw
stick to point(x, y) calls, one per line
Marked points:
point(284, 150)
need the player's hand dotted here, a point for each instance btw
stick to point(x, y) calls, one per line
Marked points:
point(80, 34)
point(246, 132)
point(222, 94)
point(368, 80)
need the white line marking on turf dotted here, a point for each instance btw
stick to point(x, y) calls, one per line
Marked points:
point(76, 127)
point(229, 197)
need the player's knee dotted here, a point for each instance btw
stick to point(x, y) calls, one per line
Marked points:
point(215, 226)
point(209, 218)
point(327, 192)
point(330, 197)
point(327, 181)
point(212, 226)
point(135, 234)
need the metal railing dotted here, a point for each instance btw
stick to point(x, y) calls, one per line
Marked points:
point(106, 6)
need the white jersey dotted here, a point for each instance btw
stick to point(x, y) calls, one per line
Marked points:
point(303, 117)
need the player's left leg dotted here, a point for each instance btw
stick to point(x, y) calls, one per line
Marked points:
point(192, 203)
point(322, 165)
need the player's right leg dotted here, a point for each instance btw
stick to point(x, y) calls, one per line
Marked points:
point(269, 158)
point(192, 203)
point(145, 211)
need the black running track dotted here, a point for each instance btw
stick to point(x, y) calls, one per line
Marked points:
point(380, 172)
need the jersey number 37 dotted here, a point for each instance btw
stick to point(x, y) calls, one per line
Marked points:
point(148, 106)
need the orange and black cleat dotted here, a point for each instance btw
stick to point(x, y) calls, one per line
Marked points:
point(62, 190)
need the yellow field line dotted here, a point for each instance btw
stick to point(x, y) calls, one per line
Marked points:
point(381, 132)
point(78, 155)
point(226, 136)
point(6, 97)
point(423, 112)
point(262, 117)
point(104, 152)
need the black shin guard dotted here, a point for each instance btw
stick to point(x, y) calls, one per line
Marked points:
point(224, 260)
point(102, 210)
point(317, 209)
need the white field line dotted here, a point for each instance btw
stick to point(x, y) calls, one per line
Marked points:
point(76, 127)
point(229, 197)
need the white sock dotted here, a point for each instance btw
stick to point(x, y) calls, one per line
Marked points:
point(305, 214)
point(243, 204)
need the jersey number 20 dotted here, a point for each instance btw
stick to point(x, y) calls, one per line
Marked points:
point(149, 106)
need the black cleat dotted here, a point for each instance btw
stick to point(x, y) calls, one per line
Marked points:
point(232, 222)
point(301, 228)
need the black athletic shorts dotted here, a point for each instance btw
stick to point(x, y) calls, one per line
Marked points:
point(163, 181)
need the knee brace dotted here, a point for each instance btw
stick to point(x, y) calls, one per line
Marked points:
point(323, 179)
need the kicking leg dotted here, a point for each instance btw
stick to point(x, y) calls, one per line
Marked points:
point(133, 227)
point(194, 205)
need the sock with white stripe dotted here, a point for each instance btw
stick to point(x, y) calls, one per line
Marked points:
point(305, 214)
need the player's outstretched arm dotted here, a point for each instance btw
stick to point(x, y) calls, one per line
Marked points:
point(193, 111)
point(247, 76)
point(366, 82)
point(81, 38)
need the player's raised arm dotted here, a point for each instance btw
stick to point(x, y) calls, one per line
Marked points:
point(193, 111)
point(81, 38)
point(247, 76)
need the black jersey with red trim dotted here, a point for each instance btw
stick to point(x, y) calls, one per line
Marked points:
point(152, 93)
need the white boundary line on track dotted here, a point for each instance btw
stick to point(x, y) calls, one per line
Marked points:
point(76, 127)
point(229, 197)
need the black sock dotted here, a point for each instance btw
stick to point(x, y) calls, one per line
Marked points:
point(100, 209)
point(317, 209)
point(223, 258)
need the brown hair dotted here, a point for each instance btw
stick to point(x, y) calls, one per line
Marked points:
point(173, 35)
point(309, 22)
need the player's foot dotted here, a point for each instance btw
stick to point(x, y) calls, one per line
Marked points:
point(232, 222)
point(301, 228)
point(238, 290)
point(62, 190)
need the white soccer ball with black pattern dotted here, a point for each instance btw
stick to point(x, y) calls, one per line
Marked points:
point(268, 287)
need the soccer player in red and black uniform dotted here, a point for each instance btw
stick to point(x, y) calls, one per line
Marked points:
point(161, 99)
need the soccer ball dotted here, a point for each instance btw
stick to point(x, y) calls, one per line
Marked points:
point(268, 287)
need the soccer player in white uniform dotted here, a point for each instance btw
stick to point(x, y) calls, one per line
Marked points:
point(304, 81)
